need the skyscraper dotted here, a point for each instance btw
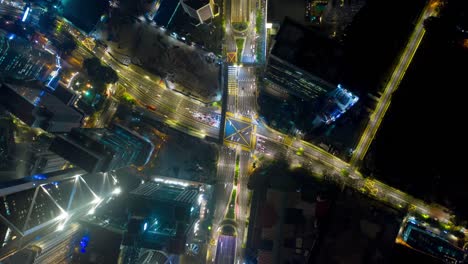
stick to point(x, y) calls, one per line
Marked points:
point(35, 206)
point(103, 150)
point(166, 226)
point(308, 65)
point(200, 10)
point(43, 160)
point(22, 61)
point(38, 108)
point(304, 62)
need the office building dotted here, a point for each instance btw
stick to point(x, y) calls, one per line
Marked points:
point(166, 226)
point(304, 62)
point(337, 103)
point(7, 138)
point(200, 10)
point(102, 149)
point(41, 159)
point(22, 61)
point(431, 241)
point(38, 108)
point(308, 65)
point(40, 204)
point(295, 81)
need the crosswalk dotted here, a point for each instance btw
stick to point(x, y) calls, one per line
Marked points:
point(233, 88)
point(232, 81)
point(246, 79)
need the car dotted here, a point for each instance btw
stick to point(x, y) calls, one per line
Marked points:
point(151, 107)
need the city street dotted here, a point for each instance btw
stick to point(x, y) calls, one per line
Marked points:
point(243, 204)
point(240, 10)
point(225, 250)
point(177, 109)
point(395, 80)
point(157, 101)
point(222, 193)
point(247, 91)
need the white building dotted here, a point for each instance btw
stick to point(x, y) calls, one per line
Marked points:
point(200, 10)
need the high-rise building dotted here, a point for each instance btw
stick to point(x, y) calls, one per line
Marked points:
point(102, 149)
point(337, 103)
point(308, 65)
point(166, 226)
point(42, 160)
point(304, 62)
point(296, 81)
point(424, 238)
point(38, 108)
point(35, 206)
point(7, 140)
point(22, 61)
point(200, 10)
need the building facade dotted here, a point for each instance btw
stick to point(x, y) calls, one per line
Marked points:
point(102, 149)
point(39, 109)
point(200, 10)
point(163, 217)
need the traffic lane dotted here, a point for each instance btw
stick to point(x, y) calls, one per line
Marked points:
point(179, 114)
point(225, 251)
point(141, 79)
point(242, 201)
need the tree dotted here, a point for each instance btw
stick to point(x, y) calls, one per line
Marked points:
point(98, 73)
point(67, 45)
point(91, 66)
point(110, 76)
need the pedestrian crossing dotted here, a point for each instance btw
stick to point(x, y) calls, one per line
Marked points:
point(245, 79)
point(232, 81)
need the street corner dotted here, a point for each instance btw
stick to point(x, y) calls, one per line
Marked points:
point(239, 132)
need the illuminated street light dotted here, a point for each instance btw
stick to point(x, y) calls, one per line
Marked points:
point(92, 211)
point(60, 227)
point(97, 200)
point(117, 191)
point(63, 215)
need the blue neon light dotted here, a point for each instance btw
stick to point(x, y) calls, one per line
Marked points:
point(84, 243)
point(55, 73)
point(26, 14)
point(39, 177)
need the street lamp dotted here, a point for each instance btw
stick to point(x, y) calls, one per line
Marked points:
point(117, 191)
